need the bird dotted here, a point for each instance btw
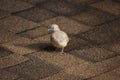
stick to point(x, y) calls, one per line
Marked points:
point(59, 38)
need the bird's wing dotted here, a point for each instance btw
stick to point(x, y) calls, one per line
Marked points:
point(61, 36)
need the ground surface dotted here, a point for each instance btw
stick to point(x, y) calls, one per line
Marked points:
point(93, 52)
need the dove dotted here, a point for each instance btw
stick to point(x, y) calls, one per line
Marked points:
point(59, 38)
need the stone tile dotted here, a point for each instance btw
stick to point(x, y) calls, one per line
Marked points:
point(19, 46)
point(5, 75)
point(16, 24)
point(6, 36)
point(14, 5)
point(36, 14)
point(93, 17)
point(82, 2)
point(3, 14)
point(34, 69)
point(87, 70)
point(63, 61)
point(111, 75)
point(77, 44)
point(11, 60)
point(34, 1)
point(4, 52)
point(93, 54)
point(62, 76)
point(66, 24)
point(32, 34)
point(106, 32)
point(60, 7)
point(109, 6)
point(107, 35)
point(24, 46)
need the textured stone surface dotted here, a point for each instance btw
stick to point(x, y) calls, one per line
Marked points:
point(111, 75)
point(63, 76)
point(16, 24)
point(36, 14)
point(40, 69)
point(35, 1)
point(87, 70)
point(5, 75)
point(93, 17)
point(64, 61)
point(4, 52)
point(93, 54)
point(107, 35)
point(38, 32)
point(60, 7)
point(14, 5)
point(11, 60)
point(66, 24)
point(82, 2)
point(109, 6)
point(3, 14)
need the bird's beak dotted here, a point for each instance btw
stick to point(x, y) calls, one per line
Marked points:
point(49, 29)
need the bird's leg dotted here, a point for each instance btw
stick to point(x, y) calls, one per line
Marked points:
point(62, 50)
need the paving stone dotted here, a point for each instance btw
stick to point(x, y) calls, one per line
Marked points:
point(64, 61)
point(93, 17)
point(34, 1)
point(111, 75)
point(39, 68)
point(77, 44)
point(36, 14)
point(4, 52)
point(40, 31)
point(11, 60)
point(3, 14)
point(62, 76)
point(66, 24)
point(60, 7)
point(16, 24)
point(109, 6)
point(82, 2)
point(6, 36)
point(19, 46)
point(107, 35)
point(5, 75)
point(94, 54)
point(14, 5)
point(87, 69)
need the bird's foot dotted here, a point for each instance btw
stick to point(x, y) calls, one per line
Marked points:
point(62, 53)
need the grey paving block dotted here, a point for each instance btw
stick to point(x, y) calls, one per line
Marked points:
point(4, 52)
point(16, 24)
point(94, 54)
point(67, 24)
point(34, 69)
point(11, 60)
point(38, 32)
point(88, 70)
point(109, 6)
point(111, 75)
point(93, 17)
point(34, 1)
point(14, 5)
point(4, 14)
point(60, 7)
point(5, 75)
point(83, 2)
point(36, 14)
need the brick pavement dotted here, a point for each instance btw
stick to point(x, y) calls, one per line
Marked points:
point(93, 50)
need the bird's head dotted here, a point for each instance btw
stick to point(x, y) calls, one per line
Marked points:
point(54, 27)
